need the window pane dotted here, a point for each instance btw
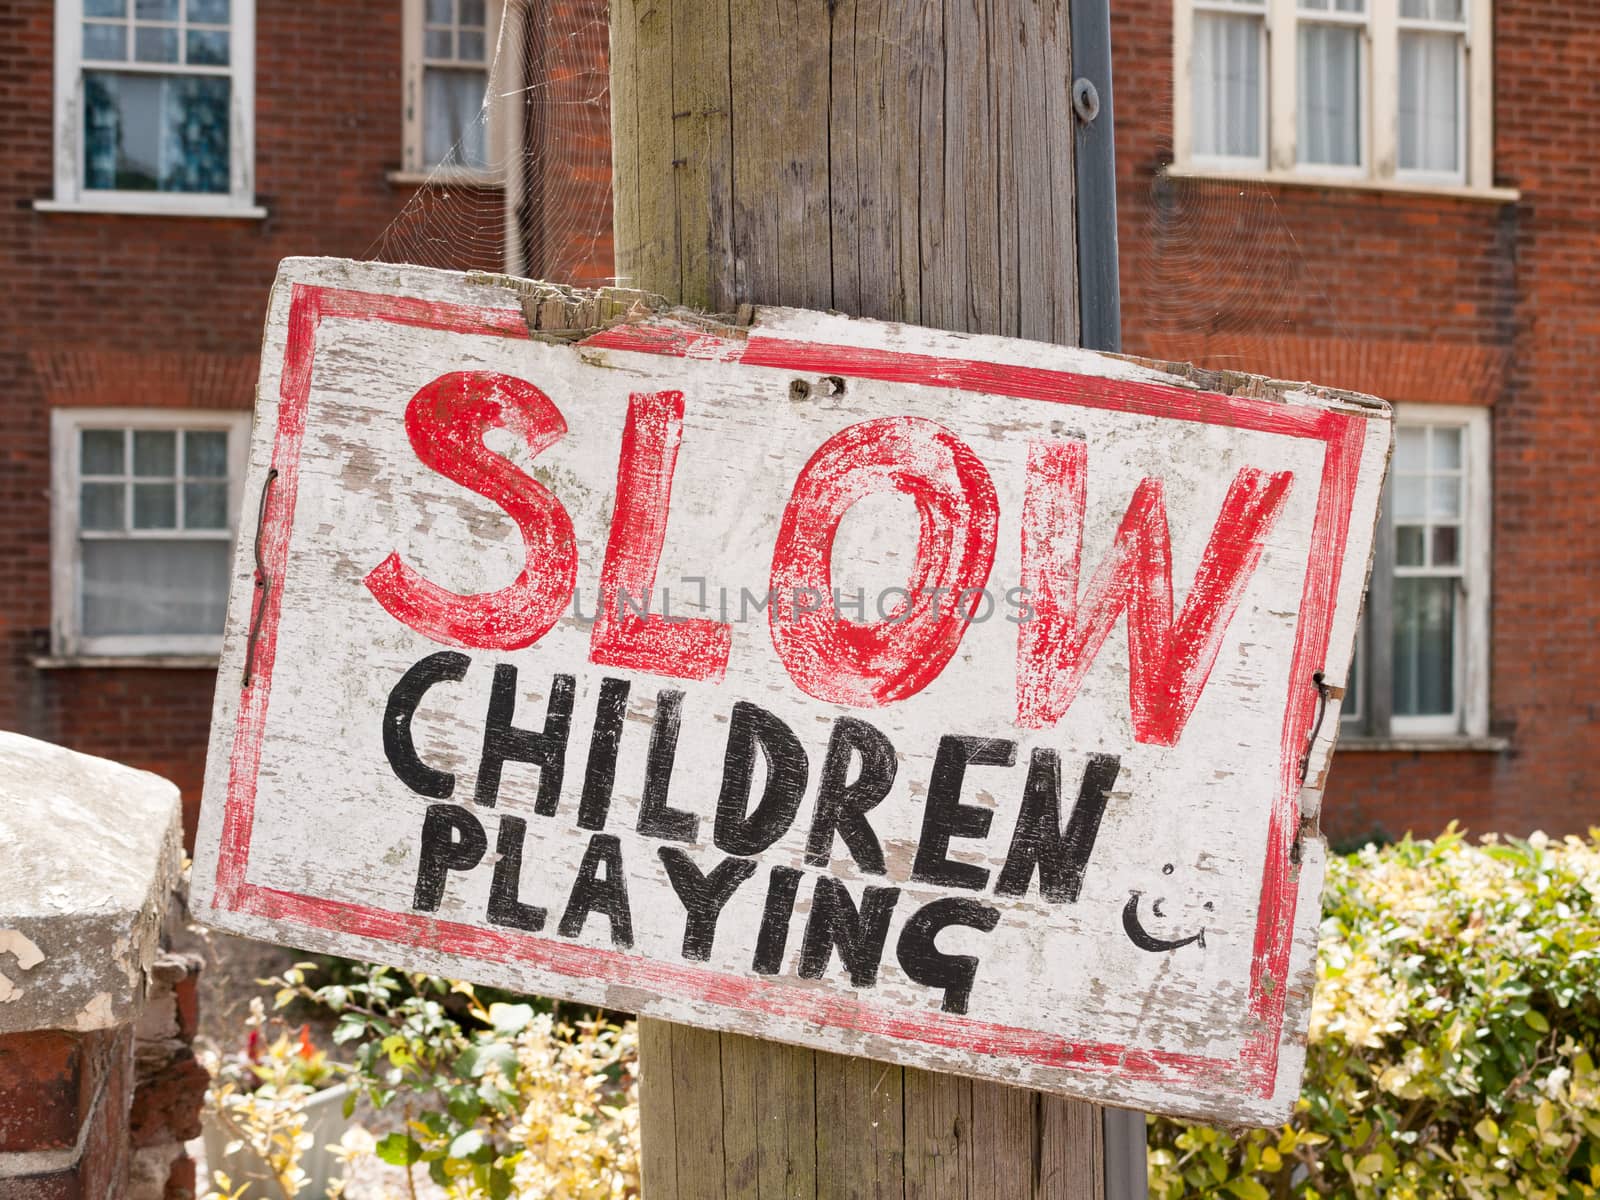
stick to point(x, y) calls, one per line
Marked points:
point(156, 132)
point(208, 12)
point(1410, 448)
point(1446, 448)
point(1351, 710)
point(105, 43)
point(452, 134)
point(472, 12)
point(102, 452)
point(471, 46)
point(155, 452)
point(207, 47)
point(100, 506)
point(155, 506)
point(205, 454)
point(155, 10)
point(1410, 498)
point(1227, 85)
point(440, 12)
point(1408, 543)
point(154, 587)
point(1446, 546)
point(205, 506)
point(437, 43)
point(155, 43)
point(1330, 86)
point(1424, 647)
point(1432, 10)
point(105, 8)
point(1445, 500)
point(1430, 102)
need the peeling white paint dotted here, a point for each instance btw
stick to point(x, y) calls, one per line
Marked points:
point(98, 1013)
point(17, 944)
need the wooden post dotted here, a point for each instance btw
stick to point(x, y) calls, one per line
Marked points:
point(910, 160)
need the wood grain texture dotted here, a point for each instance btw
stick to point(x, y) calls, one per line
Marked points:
point(769, 1111)
point(906, 161)
point(658, 1154)
point(1070, 1150)
point(861, 1145)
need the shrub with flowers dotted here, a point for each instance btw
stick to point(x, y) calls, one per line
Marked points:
point(494, 1099)
point(258, 1096)
point(1454, 1035)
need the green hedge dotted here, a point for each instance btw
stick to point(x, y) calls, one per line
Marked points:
point(1453, 1036)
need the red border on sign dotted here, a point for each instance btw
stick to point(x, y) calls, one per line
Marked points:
point(1342, 434)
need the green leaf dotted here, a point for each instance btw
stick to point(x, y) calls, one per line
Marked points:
point(510, 1018)
point(476, 1059)
point(348, 1030)
point(464, 1106)
point(468, 1144)
point(399, 1052)
point(1247, 1189)
point(434, 1123)
point(1534, 1019)
point(399, 1150)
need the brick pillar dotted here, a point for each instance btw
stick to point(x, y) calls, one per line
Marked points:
point(169, 1083)
point(98, 1085)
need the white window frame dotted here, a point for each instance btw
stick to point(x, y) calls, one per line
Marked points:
point(67, 640)
point(72, 196)
point(1464, 94)
point(1369, 717)
point(504, 90)
point(1182, 111)
point(1362, 22)
point(1380, 123)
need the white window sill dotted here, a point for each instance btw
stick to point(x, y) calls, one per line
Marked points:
point(1424, 744)
point(1307, 179)
point(164, 662)
point(154, 207)
point(446, 177)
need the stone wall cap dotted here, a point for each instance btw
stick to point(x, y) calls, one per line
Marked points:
point(90, 852)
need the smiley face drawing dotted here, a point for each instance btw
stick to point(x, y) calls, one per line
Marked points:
point(1143, 938)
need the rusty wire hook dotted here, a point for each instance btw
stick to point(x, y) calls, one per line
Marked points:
point(1323, 691)
point(262, 582)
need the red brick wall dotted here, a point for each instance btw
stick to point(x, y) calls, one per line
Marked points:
point(65, 1096)
point(155, 311)
point(1421, 299)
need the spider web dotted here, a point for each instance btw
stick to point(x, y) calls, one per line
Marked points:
point(1213, 269)
point(545, 121)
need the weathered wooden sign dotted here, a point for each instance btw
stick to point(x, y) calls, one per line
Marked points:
point(946, 699)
